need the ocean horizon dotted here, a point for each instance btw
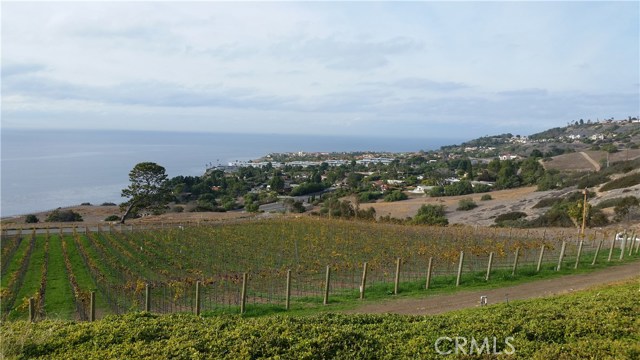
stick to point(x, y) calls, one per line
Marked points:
point(41, 170)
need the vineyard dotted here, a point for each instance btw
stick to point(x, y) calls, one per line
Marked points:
point(274, 262)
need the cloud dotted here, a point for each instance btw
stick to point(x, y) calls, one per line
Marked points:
point(21, 69)
point(524, 93)
point(414, 67)
point(341, 54)
point(149, 94)
point(417, 83)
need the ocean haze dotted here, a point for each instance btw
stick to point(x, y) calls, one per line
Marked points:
point(46, 169)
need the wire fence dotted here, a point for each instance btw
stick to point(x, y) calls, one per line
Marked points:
point(264, 288)
point(234, 291)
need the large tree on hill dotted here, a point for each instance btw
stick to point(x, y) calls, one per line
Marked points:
point(148, 189)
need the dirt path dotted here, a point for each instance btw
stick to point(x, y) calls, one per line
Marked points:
point(589, 159)
point(442, 303)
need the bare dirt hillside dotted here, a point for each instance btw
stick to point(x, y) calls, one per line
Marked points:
point(92, 215)
point(588, 160)
point(503, 201)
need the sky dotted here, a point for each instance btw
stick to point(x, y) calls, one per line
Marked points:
point(395, 69)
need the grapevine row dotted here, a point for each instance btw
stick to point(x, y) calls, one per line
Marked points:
point(9, 294)
point(9, 247)
point(96, 275)
point(80, 298)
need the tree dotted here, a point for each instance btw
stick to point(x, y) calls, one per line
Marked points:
point(148, 189)
point(276, 183)
point(575, 212)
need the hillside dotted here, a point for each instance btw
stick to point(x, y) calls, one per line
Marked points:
point(610, 136)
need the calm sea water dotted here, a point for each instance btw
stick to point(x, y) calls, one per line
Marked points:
point(42, 170)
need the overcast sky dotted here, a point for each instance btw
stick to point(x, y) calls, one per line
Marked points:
point(403, 69)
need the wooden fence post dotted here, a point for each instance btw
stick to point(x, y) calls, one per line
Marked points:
point(613, 243)
point(564, 246)
point(397, 278)
point(287, 301)
point(632, 242)
point(327, 280)
point(32, 310)
point(92, 306)
point(363, 282)
point(579, 252)
point(637, 244)
point(486, 278)
point(198, 297)
point(623, 246)
point(515, 262)
point(595, 257)
point(243, 294)
point(147, 298)
point(460, 268)
point(540, 258)
point(429, 270)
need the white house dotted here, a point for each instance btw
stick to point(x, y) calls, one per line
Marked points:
point(422, 189)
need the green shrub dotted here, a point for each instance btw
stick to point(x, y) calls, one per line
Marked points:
point(623, 182)
point(481, 188)
point(625, 207)
point(608, 203)
point(486, 197)
point(369, 196)
point(555, 217)
point(547, 202)
point(60, 215)
point(307, 188)
point(591, 180)
point(596, 324)
point(436, 191)
point(597, 218)
point(431, 215)
point(466, 204)
point(395, 195)
point(31, 219)
point(112, 218)
point(510, 216)
point(458, 188)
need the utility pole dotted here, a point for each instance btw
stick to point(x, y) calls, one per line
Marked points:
point(584, 212)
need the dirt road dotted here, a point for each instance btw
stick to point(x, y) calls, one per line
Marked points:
point(442, 303)
point(590, 160)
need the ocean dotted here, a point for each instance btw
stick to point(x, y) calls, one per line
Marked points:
point(45, 169)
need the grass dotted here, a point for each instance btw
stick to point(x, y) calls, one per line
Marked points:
point(58, 294)
point(443, 284)
point(109, 273)
point(31, 281)
point(83, 277)
point(13, 266)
